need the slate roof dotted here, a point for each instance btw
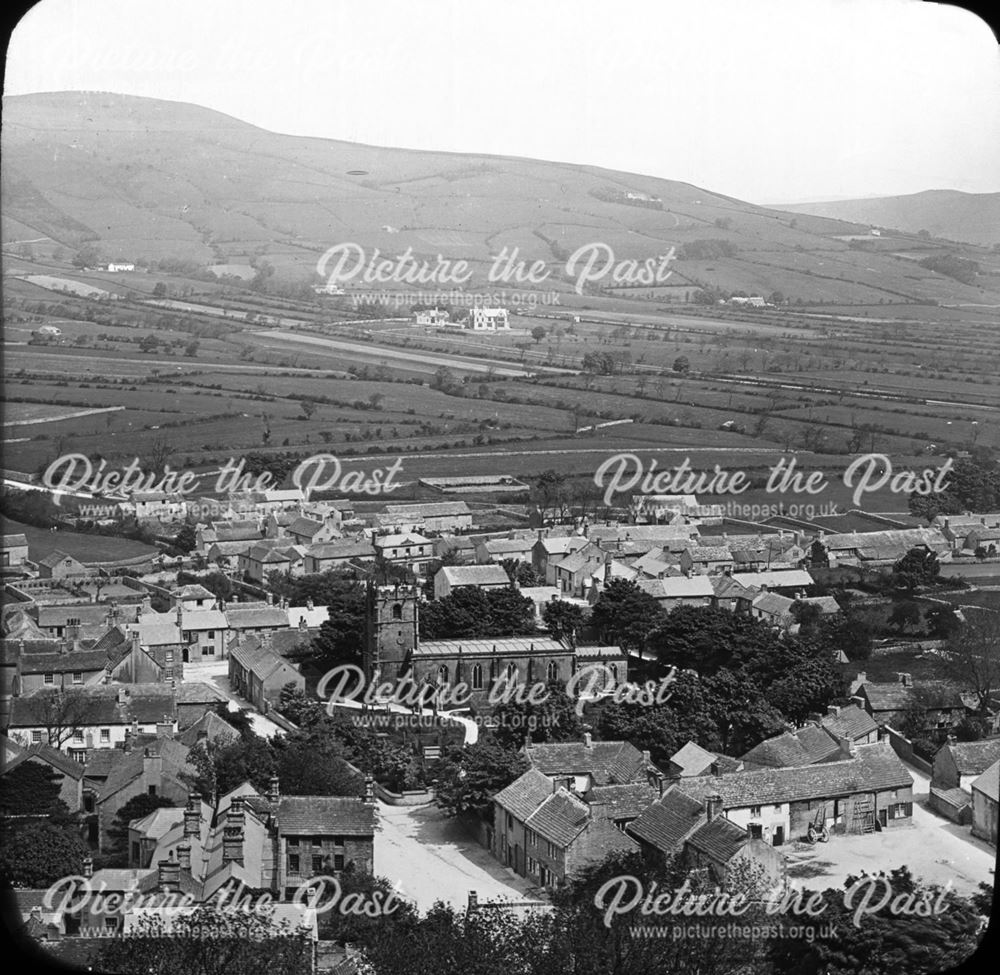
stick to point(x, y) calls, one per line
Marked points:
point(720, 839)
point(726, 587)
point(265, 616)
point(560, 818)
point(504, 646)
point(326, 815)
point(174, 756)
point(50, 756)
point(71, 662)
point(13, 541)
point(895, 696)
point(214, 727)
point(989, 782)
point(146, 703)
point(782, 751)
point(304, 526)
point(621, 801)
point(773, 604)
point(678, 587)
point(876, 768)
point(975, 757)
point(525, 794)
point(669, 821)
point(475, 575)
point(852, 722)
point(193, 591)
point(54, 558)
point(692, 759)
point(257, 657)
point(774, 579)
point(347, 549)
point(607, 762)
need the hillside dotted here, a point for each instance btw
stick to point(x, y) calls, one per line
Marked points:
point(970, 217)
point(145, 180)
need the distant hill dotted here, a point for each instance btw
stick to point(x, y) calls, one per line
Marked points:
point(144, 180)
point(951, 214)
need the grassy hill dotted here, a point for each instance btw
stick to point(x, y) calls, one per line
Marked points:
point(145, 180)
point(970, 217)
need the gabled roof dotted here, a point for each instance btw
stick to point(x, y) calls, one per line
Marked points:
point(60, 761)
point(677, 587)
point(773, 604)
point(895, 696)
point(344, 549)
point(719, 839)
point(989, 782)
point(174, 760)
point(607, 762)
point(974, 757)
point(525, 794)
point(397, 541)
point(475, 575)
point(54, 557)
point(851, 722)
point(256, 617)
point(211, 726)
point(560, 818)
point(14, 541)
point(876, 768)
point(774, 579)
point(692, 759)
point(326, 815)
point(193, 591)
point(621, 801)
point(666, 823)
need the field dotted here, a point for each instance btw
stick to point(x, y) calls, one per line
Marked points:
point(84, 548)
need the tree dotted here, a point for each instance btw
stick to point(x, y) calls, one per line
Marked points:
point(971, 657)
point(191, 349)
point(942, 621)
point(38, 854)
point(554, 719)
point(220, 766)
point(310, 768)
point(471, 775)
point(445, 380)
point(341, 637)
point(159, 289)
point(625, 615)
point(682, 365)
point(185, 539)
point(473, 612)
point(905, 615)
point(563, 619)
point(538, 333)
point(549, 492)
point(149, 343)
point(136, 808)
point(919, 567)
point(31, 789)
point(520, 573)
point(209, 941)
point(885, 940)
point(308, 408)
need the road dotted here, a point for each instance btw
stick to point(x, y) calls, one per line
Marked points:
point(216, 674)
point(429, 857)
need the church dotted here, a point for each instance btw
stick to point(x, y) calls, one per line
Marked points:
point(393, 649)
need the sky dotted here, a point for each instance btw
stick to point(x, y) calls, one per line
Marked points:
point(771, 101)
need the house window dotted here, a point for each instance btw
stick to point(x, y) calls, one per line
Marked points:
point(397, 611)
point(293, 863)
point(510, 821)
point(338, 861)
point(36, 738)
point(208, 651)
point(552, 671)
point(512, 673)
point(211, 634)
point(48, 678)
point(755, 811)
point(77, 677)
point(443, 674)
point(105, 736)
point(152, 790)
point(317, 863)
point(73, 621)
point(477, 677)
point(756, 831)
point(293, 842)
point(550, 849)
point(532, 866)
point(170, 656)
point(532, 838)
point(614, 672)
point(78, 734)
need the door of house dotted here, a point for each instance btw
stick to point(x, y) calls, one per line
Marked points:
point(185, 655)
point(779, 835)
point(882, 818)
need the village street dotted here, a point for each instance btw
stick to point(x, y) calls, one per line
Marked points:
point(935, 850)
point(430, 857)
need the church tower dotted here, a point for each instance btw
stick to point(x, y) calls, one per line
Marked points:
point(391, 632)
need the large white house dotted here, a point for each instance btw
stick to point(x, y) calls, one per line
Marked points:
point(489, 319)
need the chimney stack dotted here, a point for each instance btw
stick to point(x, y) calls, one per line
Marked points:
point(587, 740)
point(713, 806)
point(184, 856)
point(169, 876)
point(905, 679)
point(273, 789)
point(232, 834)
point(88, 866)
point(832, 710)
point(369, 794)
point(192, 815)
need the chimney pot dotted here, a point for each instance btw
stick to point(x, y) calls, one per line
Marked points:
point(587, 740)
point(713, 806)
